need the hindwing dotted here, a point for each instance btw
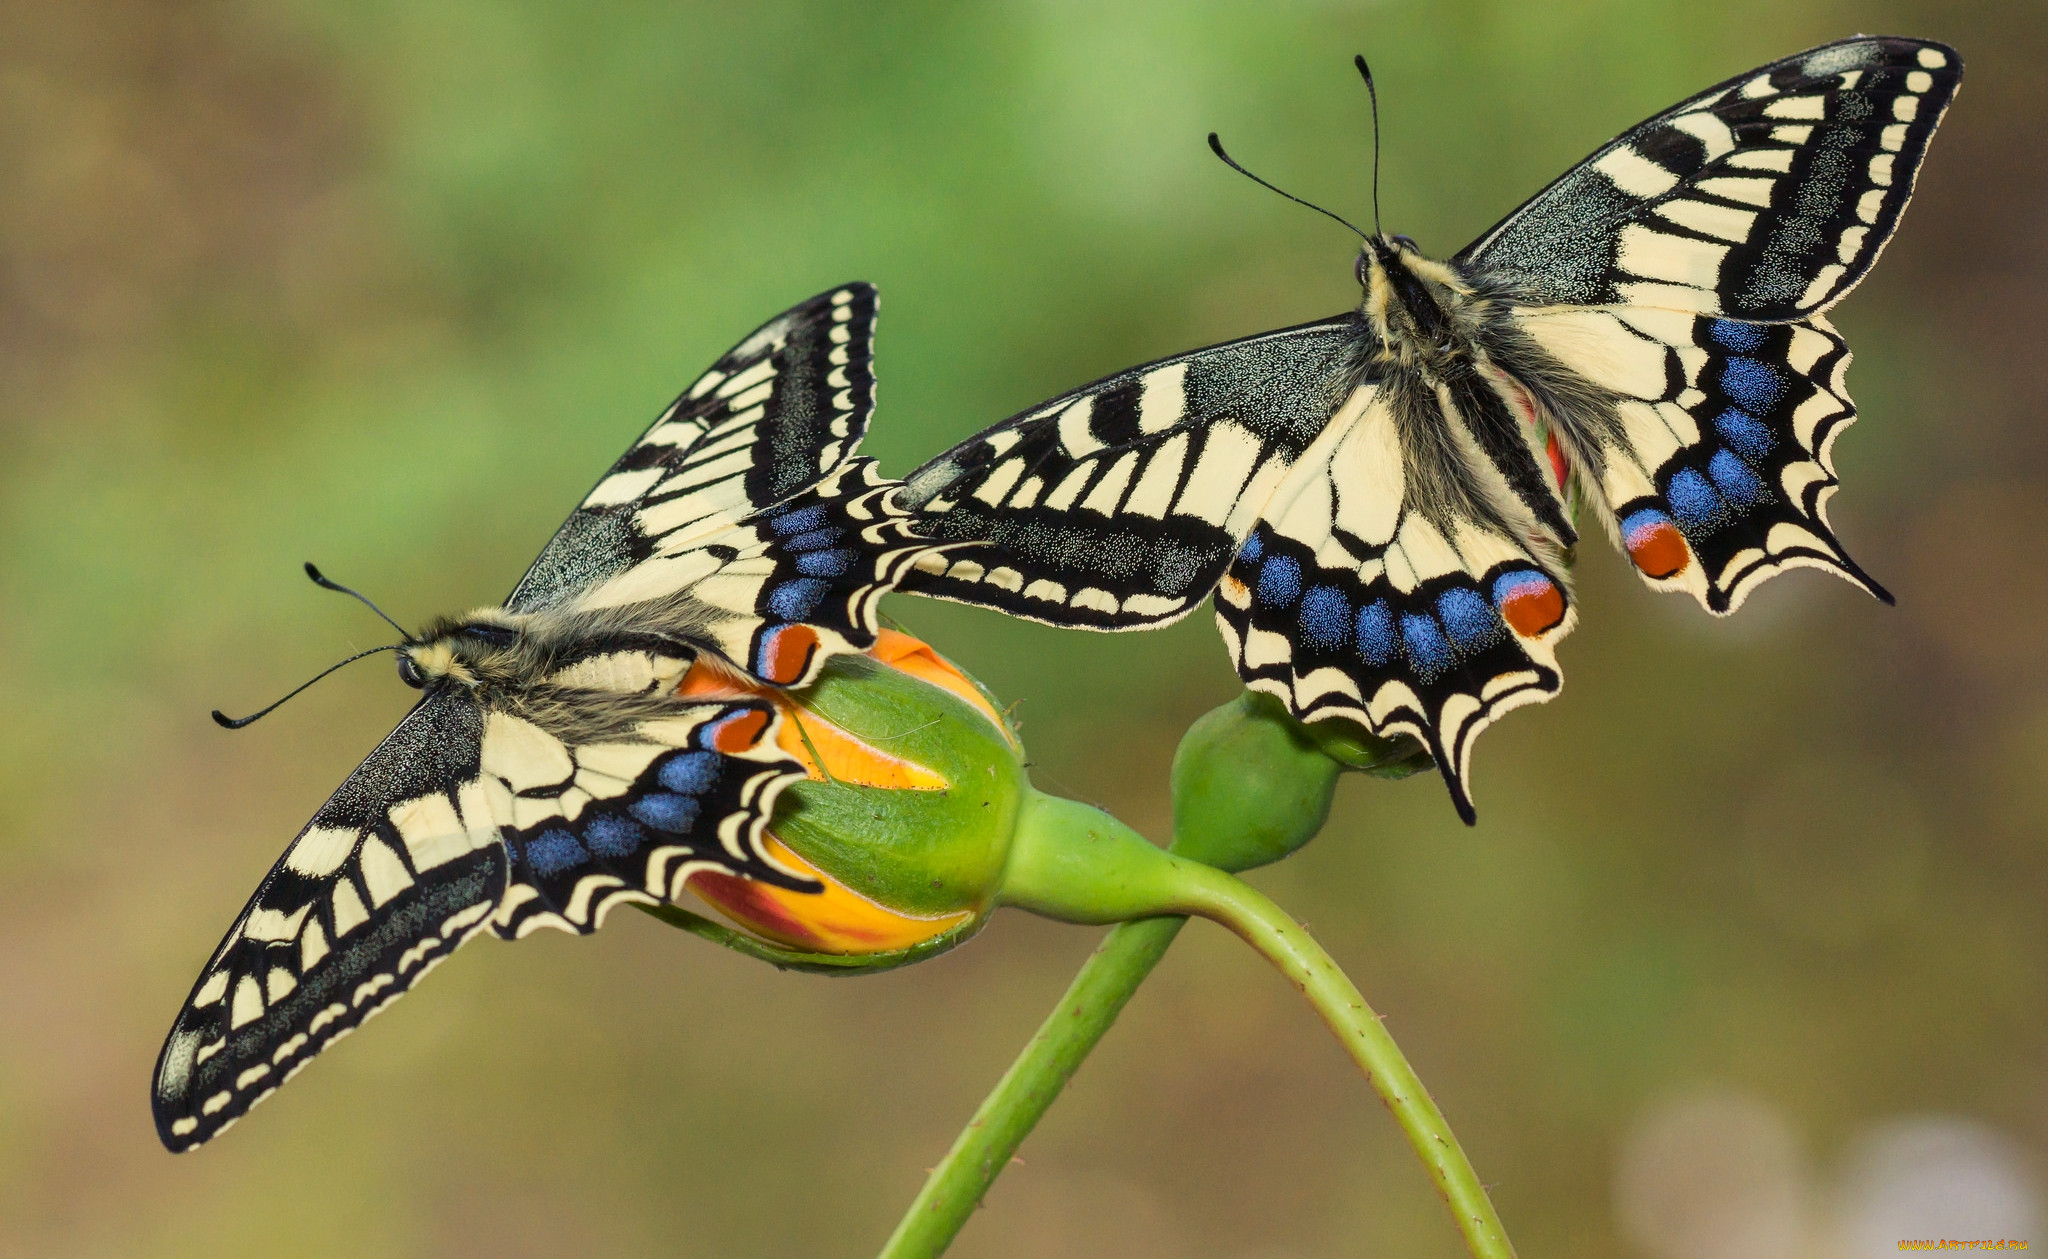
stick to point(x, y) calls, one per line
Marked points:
point(1354, 597)
point(1719, 473)
point(596, 825)
point(1764, 198)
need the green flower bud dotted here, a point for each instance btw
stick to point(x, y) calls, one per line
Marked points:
point(1251, 783)
point(915, 786)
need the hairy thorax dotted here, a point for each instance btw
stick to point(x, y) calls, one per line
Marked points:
point(577, 680)
point(1428, 317)
point(1492, 426)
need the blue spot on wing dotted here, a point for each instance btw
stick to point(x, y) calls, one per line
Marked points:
point(613, 836)
point(1697, 504)
point(1469, 617)
point(1428, 651)
point(827, 563)
point(551, 852)
point(1735, 336)
point(1325, 618)
point(1279, 581)
point(1376, 633)
point(691, 773)
point(1254, 547)
point(1750, 437)
point(814, 539)
point(796, 599)
point(665, 812)
point(800, 521)
point(1734, 479)
point(1751, 384)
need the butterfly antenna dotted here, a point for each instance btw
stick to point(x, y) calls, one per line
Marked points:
point(1217, 146)
point(1373, 93)
point(236, 723)
point(321, 580)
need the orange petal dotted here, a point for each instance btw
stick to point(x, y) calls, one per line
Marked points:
point(914, 656)
point(835, 920)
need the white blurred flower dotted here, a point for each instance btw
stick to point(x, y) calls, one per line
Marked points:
point(1932, 1177)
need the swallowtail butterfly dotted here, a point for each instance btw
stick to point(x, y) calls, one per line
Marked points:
point(549, 771)
point(1383, 502)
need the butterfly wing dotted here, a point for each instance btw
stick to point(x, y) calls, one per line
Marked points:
point(1360, 595)
point(1681, 271)
point(630, 817)
point(774, 414)
point(349, 918)
point(460, 820)
point(739, 523)
point(1714, 471)
point(1765, 198)
point(1119, 505)
point(741, 517)
point(1353, 583)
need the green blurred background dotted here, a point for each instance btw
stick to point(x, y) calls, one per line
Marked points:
point(1747, 950)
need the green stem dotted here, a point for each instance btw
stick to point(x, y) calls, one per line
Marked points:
point(1079, 864)
point(1020, 1099)
point(1263, 925)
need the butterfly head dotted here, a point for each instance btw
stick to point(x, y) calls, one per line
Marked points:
point(473, 651)
point(1417, 305)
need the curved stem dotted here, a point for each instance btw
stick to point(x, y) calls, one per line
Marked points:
point(1006, 1116)
point(1263, 925)
point(1078, 864)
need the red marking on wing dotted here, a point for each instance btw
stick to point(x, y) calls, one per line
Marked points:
point(739, 732)
point(786, 653)
point(1659, 550)
point(1533, 608)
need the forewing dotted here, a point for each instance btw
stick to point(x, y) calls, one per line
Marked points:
point(1719, 473)
point(1345, 601)
point(399, 868)
point(781, 409)
point(1765, 198)
point(1119, 505)
point(779, 592)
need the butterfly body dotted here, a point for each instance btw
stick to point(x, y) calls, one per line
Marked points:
point(1383, 503)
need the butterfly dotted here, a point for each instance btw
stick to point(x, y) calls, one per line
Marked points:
point(550, 772)
point(1383, 502)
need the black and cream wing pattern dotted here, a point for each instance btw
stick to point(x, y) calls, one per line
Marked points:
point(550, 771)
point(1383, 503)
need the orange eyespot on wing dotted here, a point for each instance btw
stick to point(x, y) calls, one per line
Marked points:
point(1655, 544)
point(739, 732)
point(783, 653)
point(1529, 602)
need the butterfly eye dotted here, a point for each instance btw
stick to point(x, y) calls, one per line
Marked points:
point(1364, 269)
point(409, 673)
